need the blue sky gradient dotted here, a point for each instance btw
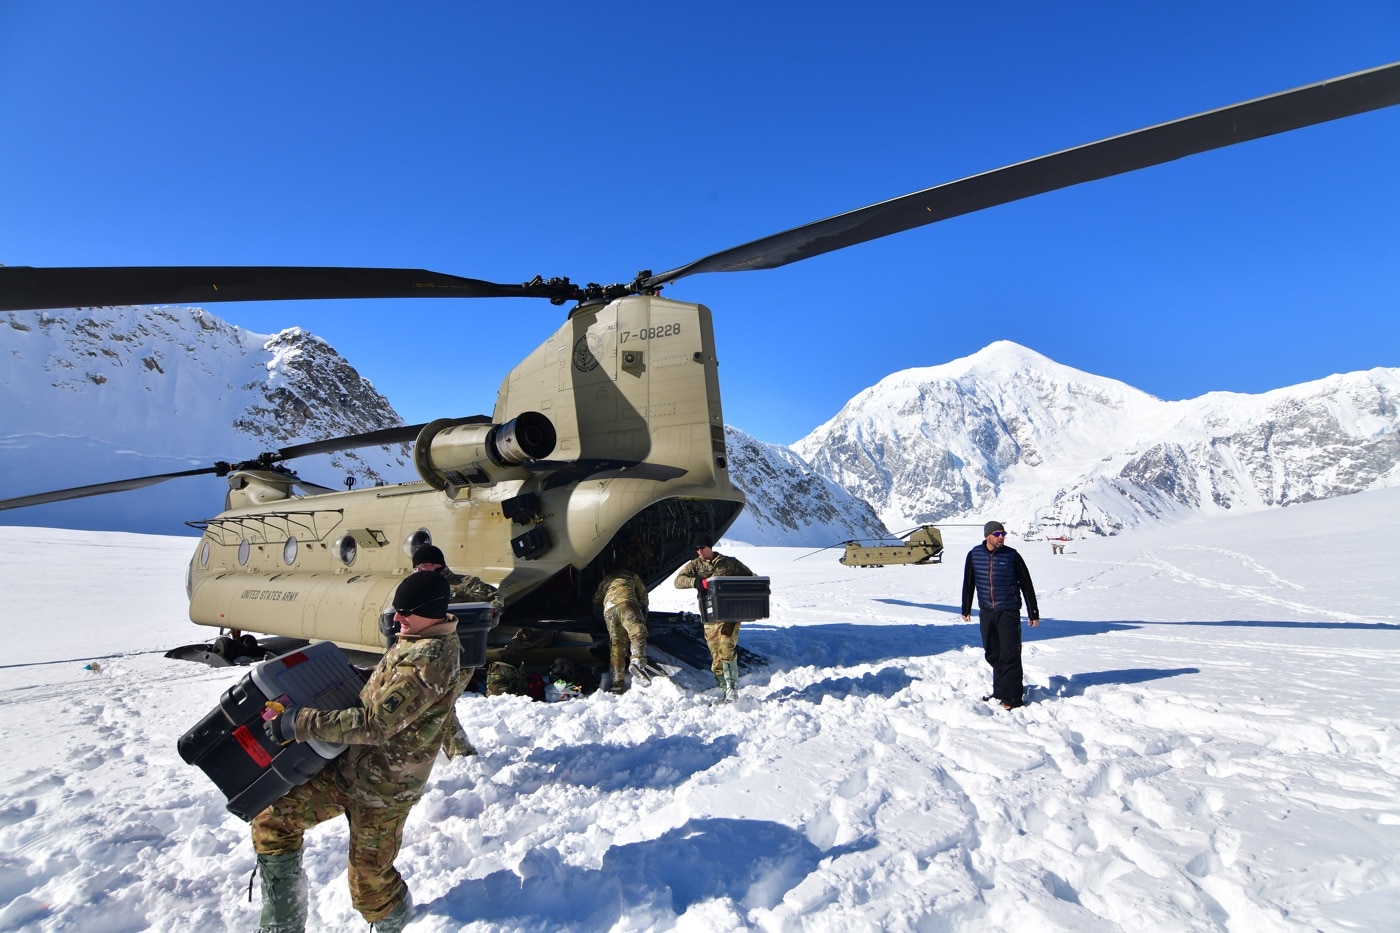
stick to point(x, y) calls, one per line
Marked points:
point(557, 139)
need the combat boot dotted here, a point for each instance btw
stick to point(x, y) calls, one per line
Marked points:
point(731, 681)
point(640, 675)
point(284, 898)
point(617, 680)
point(395, 920)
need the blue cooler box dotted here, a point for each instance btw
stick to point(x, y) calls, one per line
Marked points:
point(231, 747)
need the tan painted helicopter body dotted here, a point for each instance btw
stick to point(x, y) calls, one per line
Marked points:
point(636, 465)
point(924, 545)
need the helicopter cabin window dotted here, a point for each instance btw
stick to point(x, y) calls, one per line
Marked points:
point(289, 551)
point(204, 555)
point(244, 548)
point(416, 540)
point(345, 549)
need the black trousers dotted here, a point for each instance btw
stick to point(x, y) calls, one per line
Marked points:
point(1001, 644)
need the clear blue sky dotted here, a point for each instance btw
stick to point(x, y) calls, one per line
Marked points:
point(501, 141)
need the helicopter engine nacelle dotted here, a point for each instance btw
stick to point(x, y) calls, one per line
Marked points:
point(452, 453)
point(257, 487)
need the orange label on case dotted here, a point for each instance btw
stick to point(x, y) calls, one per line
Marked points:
point(251, 746)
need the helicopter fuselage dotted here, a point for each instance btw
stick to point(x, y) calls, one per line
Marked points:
point(924, 545)
point(605, 448)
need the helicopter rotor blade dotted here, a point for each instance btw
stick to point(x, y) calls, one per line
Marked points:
point(1328, 100)
point(404, 434)
point(98, 489)
point(821, 549)
point(24, 288)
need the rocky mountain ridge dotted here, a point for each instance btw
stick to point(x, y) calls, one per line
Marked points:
point(790, 504)
point(97, 394)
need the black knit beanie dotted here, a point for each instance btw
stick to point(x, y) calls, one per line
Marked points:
point(429, 554)
point(424, 593)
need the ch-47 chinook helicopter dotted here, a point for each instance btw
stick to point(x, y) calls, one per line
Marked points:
point(923, 545)
point(606, 444)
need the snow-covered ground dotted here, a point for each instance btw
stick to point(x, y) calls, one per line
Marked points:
point(1212, 743)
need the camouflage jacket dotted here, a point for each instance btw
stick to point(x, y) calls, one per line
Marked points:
point(467, 588)
point(717, 566)
point(405, 713)
point(621, 586)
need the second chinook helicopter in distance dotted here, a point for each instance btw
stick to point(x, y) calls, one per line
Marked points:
point(605, 447)
point(923, 545)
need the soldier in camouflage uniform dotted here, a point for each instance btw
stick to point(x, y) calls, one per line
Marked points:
point(722, 637)
point(623, 596)
point(465, 588)
point(394, 737)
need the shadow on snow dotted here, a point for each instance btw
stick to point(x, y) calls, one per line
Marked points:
point(1075, 684)
point(885, 683)
point(1264, 623)
point(844, 644)
point(753, 863)
point(656, 764)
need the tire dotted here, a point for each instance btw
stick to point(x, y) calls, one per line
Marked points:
point(226, 648)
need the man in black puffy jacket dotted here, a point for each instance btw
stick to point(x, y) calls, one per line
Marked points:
point(1000, 577)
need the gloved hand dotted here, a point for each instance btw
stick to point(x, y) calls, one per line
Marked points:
point(280, 721)
point(705, 583)
point(700, 583)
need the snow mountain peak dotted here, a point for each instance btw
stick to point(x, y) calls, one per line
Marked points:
point(1007, 433)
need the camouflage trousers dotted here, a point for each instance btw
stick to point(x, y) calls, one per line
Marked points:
point(376, 887)
point(723, 639)
point(626, 627)
point(503, 678)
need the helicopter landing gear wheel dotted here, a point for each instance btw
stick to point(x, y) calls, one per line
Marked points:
point(226, 648)
point(248, 645)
